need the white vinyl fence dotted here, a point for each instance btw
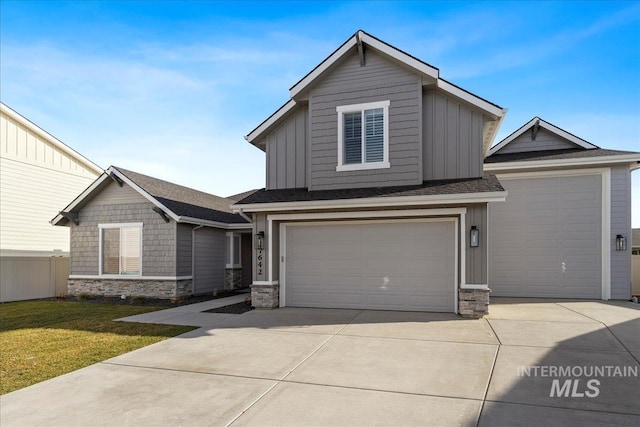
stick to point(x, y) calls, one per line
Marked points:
point(23, 278)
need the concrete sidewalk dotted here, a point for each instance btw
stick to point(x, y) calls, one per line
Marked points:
point(324, 367)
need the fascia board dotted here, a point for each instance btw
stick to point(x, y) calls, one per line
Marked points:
point(86, 193)
point(286, 108)
point(495, 196)
point(624, 158)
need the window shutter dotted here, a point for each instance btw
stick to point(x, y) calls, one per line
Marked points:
point(352, 138)
point(130, 250)
point(374, 135)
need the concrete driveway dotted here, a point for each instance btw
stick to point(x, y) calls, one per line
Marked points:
point(321, 367)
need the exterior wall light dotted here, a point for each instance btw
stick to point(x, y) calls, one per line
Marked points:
point(474, 237)
point(260, 241)
point(621, 243)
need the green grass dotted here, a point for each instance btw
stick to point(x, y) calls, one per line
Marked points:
point(43, 339)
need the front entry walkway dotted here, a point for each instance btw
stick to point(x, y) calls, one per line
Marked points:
point(356, 367)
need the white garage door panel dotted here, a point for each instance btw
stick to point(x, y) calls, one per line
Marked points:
point(545, 240)
point(383, 265)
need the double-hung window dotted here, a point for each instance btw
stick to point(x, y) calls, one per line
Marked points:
point(363, 136)
point(121, 249)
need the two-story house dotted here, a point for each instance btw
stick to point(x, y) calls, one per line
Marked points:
point(377, 195)
point(374, 182)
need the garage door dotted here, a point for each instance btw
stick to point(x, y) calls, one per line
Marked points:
point(545, 240)
point(382, 265)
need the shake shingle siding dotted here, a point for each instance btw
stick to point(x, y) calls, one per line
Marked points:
point(349, 83)
point(158, 238)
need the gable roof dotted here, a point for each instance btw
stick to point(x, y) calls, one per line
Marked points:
point(537, 121)
point(182, 204)
point(430, 73)
point(23, 121)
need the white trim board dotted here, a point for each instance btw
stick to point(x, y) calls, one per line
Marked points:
point(458, 261)
point(373, 202)
point(545, 125)
point(537, 164)
point(605, 174)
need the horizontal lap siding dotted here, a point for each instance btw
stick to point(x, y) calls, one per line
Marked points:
point(348, 84)
point(452, 138)
point(158, 238)
point(210, 246)
point(620, 224)
point(286, 152)
point(183, 249)
point(545, 140)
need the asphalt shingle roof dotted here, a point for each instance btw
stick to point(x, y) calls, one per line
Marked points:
point(185, 201)
point(571, 153)
point(488, 183)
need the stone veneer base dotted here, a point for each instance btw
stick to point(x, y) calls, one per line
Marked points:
point(473, 303)
point(163, 289)
point(232, 278)
point(265, 296)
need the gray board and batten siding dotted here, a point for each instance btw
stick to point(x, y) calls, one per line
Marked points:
point(431, 135)
point(620, 224)
point(347, 84)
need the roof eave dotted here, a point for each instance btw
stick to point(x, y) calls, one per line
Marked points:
point(589, 161)
point(373, 202)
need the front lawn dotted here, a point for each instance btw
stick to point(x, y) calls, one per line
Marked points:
point(43, 339)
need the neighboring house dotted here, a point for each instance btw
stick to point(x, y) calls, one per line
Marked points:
point(377, 196)
point(38, 173)
point(135, 235)
point(569, 201)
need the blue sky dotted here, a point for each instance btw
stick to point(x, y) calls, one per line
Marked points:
point(170, 88)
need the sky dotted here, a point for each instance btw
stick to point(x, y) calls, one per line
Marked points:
point(170, 89)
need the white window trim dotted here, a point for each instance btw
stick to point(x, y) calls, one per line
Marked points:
point(118, 225)
point(355, 108)
point(231, 237)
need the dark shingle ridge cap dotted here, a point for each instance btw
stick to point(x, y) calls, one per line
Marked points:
point(488, 183)
point(567, 153)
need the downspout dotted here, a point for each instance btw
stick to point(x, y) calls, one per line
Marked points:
point(193, 258)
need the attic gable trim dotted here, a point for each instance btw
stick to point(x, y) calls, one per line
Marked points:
point(49, 138)
point(89, 192)
point(281, 112)
point(471, 98)
point(545, 125)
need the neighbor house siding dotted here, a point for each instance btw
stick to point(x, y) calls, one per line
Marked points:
point(210, 246)
point(452, 138)
point(348, 84)
point(37, 179)
point(183, 251)
point(158, 238)
point(620, 224)
point(545, 140)
point(286, 152)
point(476, 258)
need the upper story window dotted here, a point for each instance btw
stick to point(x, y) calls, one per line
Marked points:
point(363, 136)
point(121, 249)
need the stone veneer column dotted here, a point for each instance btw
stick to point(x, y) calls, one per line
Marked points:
point(473, 303)
point(233, 278)
point(265, 295)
